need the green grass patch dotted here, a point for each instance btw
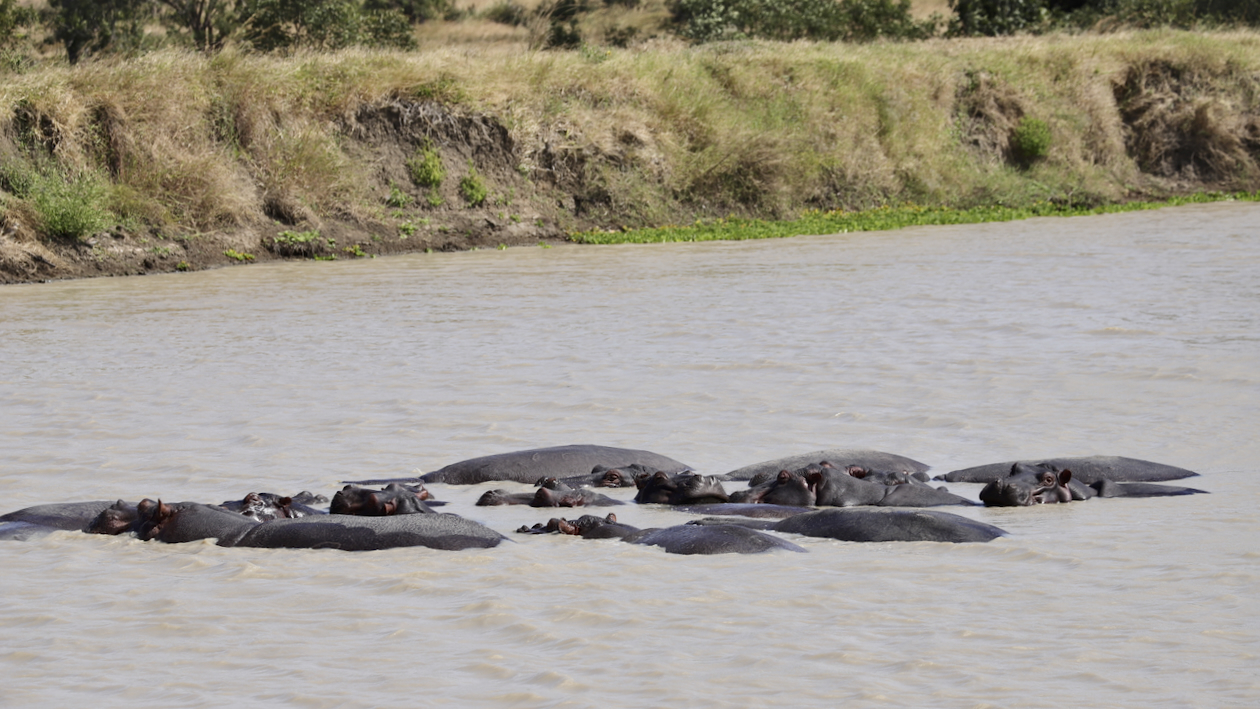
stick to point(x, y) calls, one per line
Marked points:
point(426, 167)
point(473, 189)
point(879, 219)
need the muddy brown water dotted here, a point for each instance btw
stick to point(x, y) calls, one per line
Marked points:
point(1134, 335)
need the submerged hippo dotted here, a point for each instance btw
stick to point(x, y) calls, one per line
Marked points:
point(172, 523)
point(266, 506)
point(680, 489)
point(1088, 470)
point(548, 497)
point(868, 524)
point(839, 457)
point(681, 539)
point(586, 526)
point(824, 485)
point(359, 533)
point(602, 476)
point(1035, 484)
point(394, 499)
point(559, 462)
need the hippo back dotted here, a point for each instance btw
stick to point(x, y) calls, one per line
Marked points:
point(559, 462)
point(839, 457)
point(1088, 470)
point(356, 533)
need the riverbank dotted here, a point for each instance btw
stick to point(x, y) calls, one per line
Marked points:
point(176, 161)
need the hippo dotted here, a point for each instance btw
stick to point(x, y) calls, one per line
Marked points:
point(681, 539)
point(266, 506)
point(586, 526)
point(548, 497)
point(394, 499)
point(680, 489)
point(840, 457)
point(68, 516)
point(1034, 484)
point(172, 523)
point(603, 476)
point(560, 461)
point(1088, 470)
point(787, 488)
point(757, 510)
point(888, 525)
point(723, 539)
point(360, 533)
point(824, 485)
point(837, 488)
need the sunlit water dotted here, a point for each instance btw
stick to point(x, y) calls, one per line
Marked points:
point(1135, 335)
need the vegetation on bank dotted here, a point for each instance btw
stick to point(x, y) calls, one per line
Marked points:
point(178, 157)
point(87, 28)
point(880, 219)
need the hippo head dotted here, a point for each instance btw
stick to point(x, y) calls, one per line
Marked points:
point(116, 519)
point(790, 489)
point(616, 478)
point(151, 515)
point(393, 500)
point(681, 489)
point(492, 498)
point(1028, 485)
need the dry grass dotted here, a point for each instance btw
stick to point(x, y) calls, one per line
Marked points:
point(662, 131)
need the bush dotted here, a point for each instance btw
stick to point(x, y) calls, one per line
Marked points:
point(270, 25)
point(507, 12)
point(415, 11)
point(1030, 140)
point(425, 166)
point(995, 17)
point(786, 20)
point(472, 189)
point(70, 208)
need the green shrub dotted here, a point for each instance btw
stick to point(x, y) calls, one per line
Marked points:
point(270, 25)
point(995, 17)
point(507, 12)
point(472, 189)
point(426, 166)
point(305, 244)
point(1030, 140)
point(787, 20)
point(70, 208)
point(414, 10)
point(397, 198)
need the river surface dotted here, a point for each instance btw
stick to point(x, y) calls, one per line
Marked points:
point(1134, 335)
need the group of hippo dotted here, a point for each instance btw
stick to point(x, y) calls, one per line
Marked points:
point(850, 495)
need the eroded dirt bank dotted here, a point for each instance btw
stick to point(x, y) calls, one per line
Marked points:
point(177, 162)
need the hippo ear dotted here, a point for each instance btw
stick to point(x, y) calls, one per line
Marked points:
point(857, 471)
point(611, 517)
point(1065, 477)
point(826, 464)
point(784, 476)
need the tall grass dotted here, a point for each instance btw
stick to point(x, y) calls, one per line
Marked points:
point(660, 134)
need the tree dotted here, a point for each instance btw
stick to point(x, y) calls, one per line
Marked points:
point(269, 25)
point(90, 26)
point(208, 21)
